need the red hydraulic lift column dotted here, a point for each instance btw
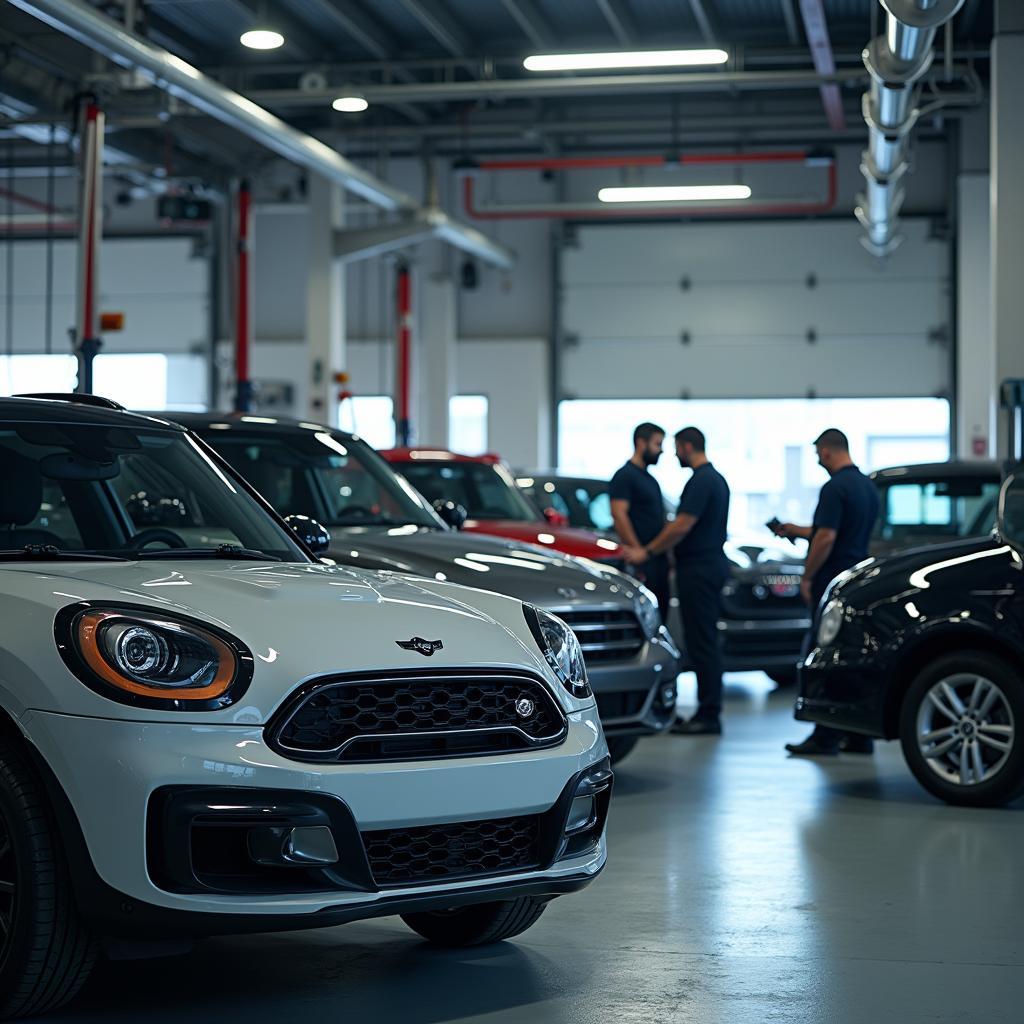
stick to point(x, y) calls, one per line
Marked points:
point(243, 329)
point(403, 354)
point(87, 340)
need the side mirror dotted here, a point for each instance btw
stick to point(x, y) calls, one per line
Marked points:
point(1010, 523)
point(453, 514)
point(316, 537)
point(555, 518)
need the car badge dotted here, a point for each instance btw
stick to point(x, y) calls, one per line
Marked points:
point(525, 707)
point(566, 592)
point(425, 647)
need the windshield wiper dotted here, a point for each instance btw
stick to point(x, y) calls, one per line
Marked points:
point(51, 553)
point(231, 551)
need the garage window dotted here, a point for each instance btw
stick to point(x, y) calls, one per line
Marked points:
point(372, 418)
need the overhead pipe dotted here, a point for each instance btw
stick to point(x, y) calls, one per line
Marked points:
point(590, 211)
point(896, 62)
point(80, 21)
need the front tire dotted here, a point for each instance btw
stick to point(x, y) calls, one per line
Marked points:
point(46, 952)
point(621, 746)
point(961, 729)
point(479, 924)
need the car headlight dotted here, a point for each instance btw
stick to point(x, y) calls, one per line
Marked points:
point(560, 648)
point(150, 659)
point(645, 604)
point(831, 622)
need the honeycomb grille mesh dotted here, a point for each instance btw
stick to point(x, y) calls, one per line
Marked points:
point(403, 856)
point(391, 718)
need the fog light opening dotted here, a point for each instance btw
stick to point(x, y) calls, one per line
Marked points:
point(668, 695)
point(582, 815)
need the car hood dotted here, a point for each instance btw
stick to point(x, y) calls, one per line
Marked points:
point(299, 621)
point(524, 571)
point(567, 539)
point(936, 570)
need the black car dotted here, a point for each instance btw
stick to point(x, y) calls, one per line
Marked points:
point(764, 619)
point(928, 647)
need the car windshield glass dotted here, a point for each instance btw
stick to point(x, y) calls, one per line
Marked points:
point(125, 491)
point(337, 480)
point(925, 510)
point(485, 490)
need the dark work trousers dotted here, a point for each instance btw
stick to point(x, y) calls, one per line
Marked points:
point(654, 575)
point(824, 734)
point(699, 584)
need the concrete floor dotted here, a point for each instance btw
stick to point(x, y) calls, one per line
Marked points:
point(742, 887)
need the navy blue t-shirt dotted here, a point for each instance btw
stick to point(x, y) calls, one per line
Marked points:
point(706, 497)
point(646, 505)
point(848, 504)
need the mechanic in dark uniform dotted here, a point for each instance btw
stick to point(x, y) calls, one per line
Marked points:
point(638, 509)
point(838, 540)
point(698, 535)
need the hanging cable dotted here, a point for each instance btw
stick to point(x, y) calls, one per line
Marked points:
point(50, 189)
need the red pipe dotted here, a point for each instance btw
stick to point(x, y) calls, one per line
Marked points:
point(243, 386)
point(403, 360)
point(637, 210)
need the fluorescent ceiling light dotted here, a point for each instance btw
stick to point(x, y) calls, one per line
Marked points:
point(672, 193)
point(623, 59)
point(262, 39)
point(350, 104)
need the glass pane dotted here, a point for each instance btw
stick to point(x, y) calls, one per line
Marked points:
point(1012, 521)
point(467, 424)
point(371, 417)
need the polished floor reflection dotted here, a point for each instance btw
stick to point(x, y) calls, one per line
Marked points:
point(744, 887)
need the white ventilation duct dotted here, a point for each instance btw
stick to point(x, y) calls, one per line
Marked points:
point(896, 62)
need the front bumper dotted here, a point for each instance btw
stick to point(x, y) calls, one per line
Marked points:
point(637, 697)
point(110, 771)
point(843, 690)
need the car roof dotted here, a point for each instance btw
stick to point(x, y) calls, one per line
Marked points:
point(250, 422)
point(930, 470)
point(436, 455)
point(84, 411)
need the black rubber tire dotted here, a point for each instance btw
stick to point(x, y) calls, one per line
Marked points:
point(620, 747)
point(50, 952)
point(1008, 783)
point(479, 924)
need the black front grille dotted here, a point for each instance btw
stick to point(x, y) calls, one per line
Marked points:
point(468, 849)
point(605, 635)
point(417, 716)
point(620, 705)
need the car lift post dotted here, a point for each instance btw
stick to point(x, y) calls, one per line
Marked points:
point(403, 356)
point(87, 342)
point(243, 384)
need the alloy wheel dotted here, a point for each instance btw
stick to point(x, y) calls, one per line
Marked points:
point(965, 729)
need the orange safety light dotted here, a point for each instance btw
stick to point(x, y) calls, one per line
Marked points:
point(111, 321)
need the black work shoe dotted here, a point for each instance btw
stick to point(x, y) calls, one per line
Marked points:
point(697, 727)
point(853, 744)
point(811, 748)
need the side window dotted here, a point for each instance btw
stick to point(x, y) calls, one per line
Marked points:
point(557, 502)
point(600, 511)
point(54, 517)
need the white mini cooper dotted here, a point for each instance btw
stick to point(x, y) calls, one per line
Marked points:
point(204, 730)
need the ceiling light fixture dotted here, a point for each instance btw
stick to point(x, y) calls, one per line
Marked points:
point(672, 193)
point(623, 59)
point(350, 102)
point(261, 39)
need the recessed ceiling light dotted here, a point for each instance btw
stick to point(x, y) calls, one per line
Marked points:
point(262, 39)
point(350, 103)
point(672, 193)
point(623, 59)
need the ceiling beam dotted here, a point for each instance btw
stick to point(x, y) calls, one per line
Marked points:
point(706, 22)
point(816, 29)
point(789, 17)
point(533, 24)
point(620, 21)
point(440, 23)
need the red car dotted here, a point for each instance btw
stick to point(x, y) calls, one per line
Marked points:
point(484, 486)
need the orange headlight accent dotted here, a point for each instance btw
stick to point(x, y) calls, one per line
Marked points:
point(88, 630)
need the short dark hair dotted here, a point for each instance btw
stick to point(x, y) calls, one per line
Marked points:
point(691, 435)
point(832, 438)
point(645, 432)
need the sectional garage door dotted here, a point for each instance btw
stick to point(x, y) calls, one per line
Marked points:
point(752, 310)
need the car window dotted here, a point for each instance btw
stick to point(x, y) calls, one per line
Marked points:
point(55, 517)
point(951, 507)
point(486, 491)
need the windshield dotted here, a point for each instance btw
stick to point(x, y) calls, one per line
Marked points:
point(338, 481)
point(485, 490)
point(920, 511)
point(126, 492)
